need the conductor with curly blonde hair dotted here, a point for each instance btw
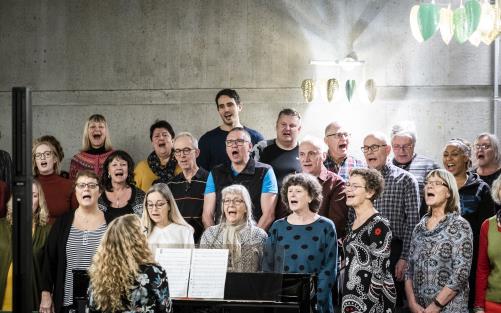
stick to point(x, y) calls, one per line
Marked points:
point(123, 274)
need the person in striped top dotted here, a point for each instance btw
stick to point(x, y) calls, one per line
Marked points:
point(72, 242)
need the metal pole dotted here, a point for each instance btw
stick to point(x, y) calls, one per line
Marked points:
point(22, 198)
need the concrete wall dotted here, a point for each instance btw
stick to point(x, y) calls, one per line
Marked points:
point(135, 61)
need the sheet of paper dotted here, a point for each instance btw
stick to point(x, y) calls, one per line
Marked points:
point(176, 263)
point(208, 273)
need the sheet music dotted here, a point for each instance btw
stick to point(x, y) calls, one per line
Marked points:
point(208, 273)
point(176, 263)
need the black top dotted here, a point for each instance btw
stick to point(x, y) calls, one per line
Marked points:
point(189, 198)
point(54, 265)
point(134, 204)
point(284, 162)
point(213, 147)
point(489, 179)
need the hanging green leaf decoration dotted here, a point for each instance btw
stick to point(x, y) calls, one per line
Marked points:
point(460, 25)
point(428, 19)
point(473, 12)
point(350, 88)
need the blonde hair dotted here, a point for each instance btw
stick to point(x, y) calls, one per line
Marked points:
point(41, 214)
point(55, 156)
point(115, 265)
point(173, 214)
point(96, 118)
point(453, 203)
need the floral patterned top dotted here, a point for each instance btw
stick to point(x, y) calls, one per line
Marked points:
point(149, 294)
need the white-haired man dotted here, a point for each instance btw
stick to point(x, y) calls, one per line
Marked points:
point(399, 203)
point(403, 143)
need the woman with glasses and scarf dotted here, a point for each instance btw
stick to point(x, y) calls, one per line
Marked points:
point(237, 232)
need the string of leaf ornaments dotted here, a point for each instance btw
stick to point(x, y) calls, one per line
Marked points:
point(473, 21)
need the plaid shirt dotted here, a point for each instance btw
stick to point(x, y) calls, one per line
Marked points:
point(399, 203)
point(419, 166)
point(343, 169)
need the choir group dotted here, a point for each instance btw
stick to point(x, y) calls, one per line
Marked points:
point(393, 232)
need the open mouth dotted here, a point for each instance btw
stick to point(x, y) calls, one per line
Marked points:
point(161, 145)
point(430, 195)
point(234, 153)
point(119, 174)
point(294, 202)
point(371, 159)
point(96, 136)
point(43, 163)
point(86, 197)
point(232, 212)
point(480, 156)
point(343, 146)
point(228, 116)
point(450, 166)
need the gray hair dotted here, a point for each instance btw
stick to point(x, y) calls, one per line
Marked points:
point(242, 191)
point(315, 141)
point(378, 135)
point(404, 129)
point(194, 140)
point(494, 145)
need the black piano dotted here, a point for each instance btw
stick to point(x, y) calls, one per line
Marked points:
point(244, 292)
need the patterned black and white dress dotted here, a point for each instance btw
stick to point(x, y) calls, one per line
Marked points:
point(368, 285)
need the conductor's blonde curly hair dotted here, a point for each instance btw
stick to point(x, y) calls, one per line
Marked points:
point(116, 263)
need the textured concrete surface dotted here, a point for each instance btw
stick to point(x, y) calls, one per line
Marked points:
point(135, 61)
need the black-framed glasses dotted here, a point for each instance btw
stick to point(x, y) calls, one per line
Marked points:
point(233, 201)
point(45, 155)
point(339, 135)
point(435, 183)
point(373, 148)
point(89, 185)
point(482, 146)
point(158, 205)
point(185, 151)
point(238, 142)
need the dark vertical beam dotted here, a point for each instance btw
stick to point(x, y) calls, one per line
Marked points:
point(22, 198)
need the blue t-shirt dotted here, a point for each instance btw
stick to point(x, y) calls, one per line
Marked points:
point(269, 182)
point(213, 148)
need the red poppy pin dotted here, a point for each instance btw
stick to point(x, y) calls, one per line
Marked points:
point(377, 231)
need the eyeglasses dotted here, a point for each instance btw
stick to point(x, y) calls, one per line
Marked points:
point(233, 201)
point(46, 155)
point(185, 151)
point(482, 147)
point(403, 148)
point(90, 185)
point(238, 142)
point(435, 183)
point(373, 148)
point(350, 186)
point(158, 205)
point(339, 135)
